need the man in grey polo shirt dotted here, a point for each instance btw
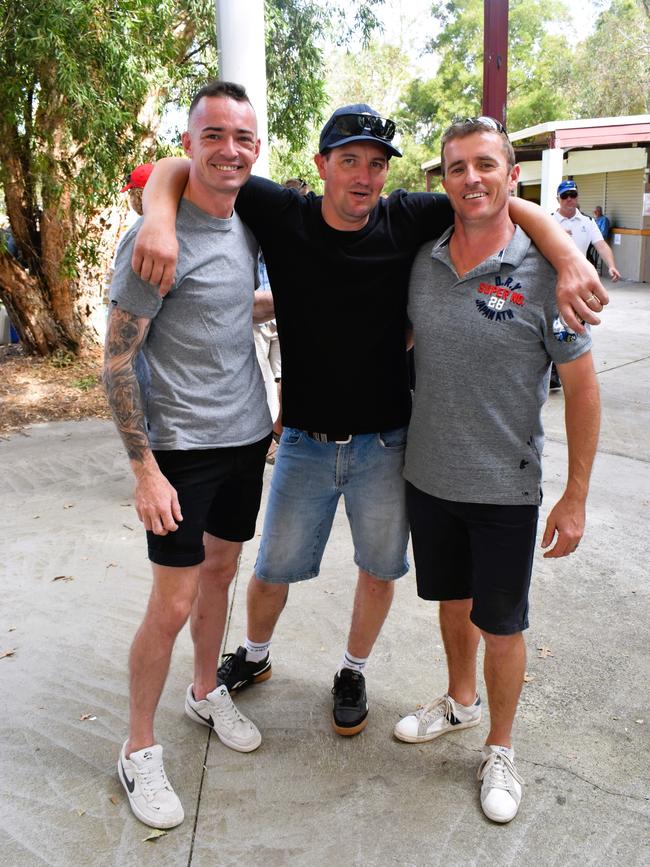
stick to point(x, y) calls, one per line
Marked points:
point(196, 436)
point(486, 330)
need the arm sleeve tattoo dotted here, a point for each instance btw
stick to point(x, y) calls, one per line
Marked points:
point(124, 338)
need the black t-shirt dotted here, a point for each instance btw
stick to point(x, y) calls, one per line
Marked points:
point(340, 303)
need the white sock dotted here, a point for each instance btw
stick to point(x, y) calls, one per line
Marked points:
point(256, 652)
point(353, 662)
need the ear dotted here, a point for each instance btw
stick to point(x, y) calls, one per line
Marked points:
point(257, 149)
point(187, 143)
point(514, 177)
point(321, 165)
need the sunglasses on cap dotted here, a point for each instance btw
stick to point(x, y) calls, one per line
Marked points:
point(356, 124)
point(571, 194)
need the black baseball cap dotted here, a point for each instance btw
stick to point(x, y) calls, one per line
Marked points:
point(358, 122)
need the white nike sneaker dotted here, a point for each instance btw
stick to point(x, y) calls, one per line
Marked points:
point(437, 718)
point(150, 794)
point(501, 784)
point(217, 710)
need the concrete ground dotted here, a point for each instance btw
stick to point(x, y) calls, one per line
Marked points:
point(307, 796)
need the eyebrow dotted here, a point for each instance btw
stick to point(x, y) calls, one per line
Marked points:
point(222, 128)
point(478, 157)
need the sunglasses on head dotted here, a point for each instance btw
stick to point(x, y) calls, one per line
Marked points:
point(486, 121)
point(355, 124)
point(570, 195)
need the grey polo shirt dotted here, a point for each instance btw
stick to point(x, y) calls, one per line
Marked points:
point(483, 348)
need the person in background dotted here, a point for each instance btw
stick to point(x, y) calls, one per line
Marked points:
point(603, 223)
point(135, 184)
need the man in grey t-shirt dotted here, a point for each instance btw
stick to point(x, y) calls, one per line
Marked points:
point(196, 435)
point(486, 330)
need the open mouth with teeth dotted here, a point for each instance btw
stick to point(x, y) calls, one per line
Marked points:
point(474, 196)
point(225, 168)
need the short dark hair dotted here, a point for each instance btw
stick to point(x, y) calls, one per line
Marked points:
point(462, 128)
point(217, 87)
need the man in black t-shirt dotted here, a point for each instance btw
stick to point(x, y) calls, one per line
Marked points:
point(346, 401)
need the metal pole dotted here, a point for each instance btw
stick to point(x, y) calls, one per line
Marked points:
point(495, 58)
point(242, 58)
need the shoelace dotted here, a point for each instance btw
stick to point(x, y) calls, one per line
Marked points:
point(228, 713)
point(227, 663)
point(348, 689)
point(496, 768)
point(154, 780)
point(440, 707)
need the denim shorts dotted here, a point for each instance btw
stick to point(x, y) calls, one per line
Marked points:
point(308, 479)
point(477, 551)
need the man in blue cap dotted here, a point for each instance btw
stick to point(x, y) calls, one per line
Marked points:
point(346, 403)
point(583, 232)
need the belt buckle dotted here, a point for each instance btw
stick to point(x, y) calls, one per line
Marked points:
point(344, 442)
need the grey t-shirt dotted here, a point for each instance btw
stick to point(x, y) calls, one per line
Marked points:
point(205, 386)
point(483, 348)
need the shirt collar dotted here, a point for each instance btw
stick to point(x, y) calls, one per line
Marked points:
point(513, 254)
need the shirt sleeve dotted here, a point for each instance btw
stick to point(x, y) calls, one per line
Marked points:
point(128, 291)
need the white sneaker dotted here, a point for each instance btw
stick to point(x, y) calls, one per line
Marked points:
point(217, 710)
point(437, 718)
point(501, 787)
point(150, 794)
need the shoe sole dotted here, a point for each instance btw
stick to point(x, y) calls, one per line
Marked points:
point(161, 825)
point(258, 678)
point(348, 731)
point(421, 739)
point(499, 819)
point(240, 748)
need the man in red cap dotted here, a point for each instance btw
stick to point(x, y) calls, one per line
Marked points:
point(135, 183)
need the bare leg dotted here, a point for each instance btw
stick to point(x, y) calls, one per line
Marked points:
point(264, 604)
point(169, 607)
point(504, 669)
point(460, 638)
point(210, 609)
point(372, 602)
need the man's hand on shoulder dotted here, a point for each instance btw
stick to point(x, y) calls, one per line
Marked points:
point(155, 254)
point(580, 294)
point(156, 501)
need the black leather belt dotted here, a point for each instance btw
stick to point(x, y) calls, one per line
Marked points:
point(341, 439)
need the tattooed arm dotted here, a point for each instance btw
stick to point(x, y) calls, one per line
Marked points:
point(156, 501)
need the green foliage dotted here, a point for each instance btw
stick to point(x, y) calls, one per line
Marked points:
point(85, 383)
point(535, 92)
point(611, 73)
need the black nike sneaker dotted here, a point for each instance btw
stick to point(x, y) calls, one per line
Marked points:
point(350, 711)
point(236, 673)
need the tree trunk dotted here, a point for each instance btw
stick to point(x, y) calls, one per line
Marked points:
point(28, 310)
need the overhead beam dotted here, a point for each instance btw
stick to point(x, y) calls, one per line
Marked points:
point(495, 58)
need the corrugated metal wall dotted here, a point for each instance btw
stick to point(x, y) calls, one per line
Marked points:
point(619, 193)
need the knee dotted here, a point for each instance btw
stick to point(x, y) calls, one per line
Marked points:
point(170, 614)
point(266, 589)
point(502, 644)
point(220, 570)
point(376, 586)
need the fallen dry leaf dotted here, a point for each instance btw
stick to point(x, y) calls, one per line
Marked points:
point(543, 652)
point(154, 835)
point(11, 629)
point(114, 800)
point(639, 722)
point(68, 505)
point(529, 678)
point(87, 716)
point(36, 516)
point(5, 653)
point(108, 565)
point(127, 526)
point(80, 813)
point(63, 578)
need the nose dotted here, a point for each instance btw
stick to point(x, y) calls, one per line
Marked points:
point(363, 174)
point(472, 176)
point(228, 147)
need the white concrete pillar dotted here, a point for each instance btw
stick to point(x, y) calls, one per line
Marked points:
point(242, 58)
point(552, 168)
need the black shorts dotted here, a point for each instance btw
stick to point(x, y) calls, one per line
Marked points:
point(219, 491)
point(474, 551)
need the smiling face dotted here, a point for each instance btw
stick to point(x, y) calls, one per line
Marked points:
point(354, 176)
point(478, 177)
point(222, 142)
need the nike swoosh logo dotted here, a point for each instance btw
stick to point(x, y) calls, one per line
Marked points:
point(207, 719)
point(130, 784)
